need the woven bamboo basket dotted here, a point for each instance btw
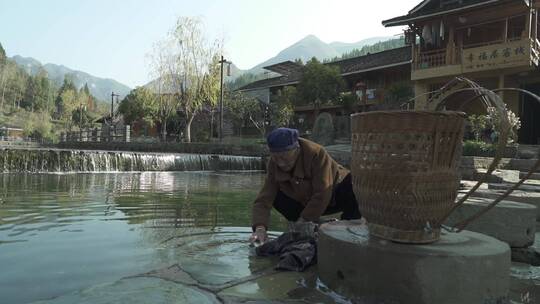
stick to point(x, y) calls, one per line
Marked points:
point(405, 171)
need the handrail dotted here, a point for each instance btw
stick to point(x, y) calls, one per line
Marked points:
point(435, 58)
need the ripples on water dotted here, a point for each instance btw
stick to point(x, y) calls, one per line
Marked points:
point(61, 232)
point(74, 238)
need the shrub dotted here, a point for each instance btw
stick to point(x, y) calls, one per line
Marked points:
point(478, 148)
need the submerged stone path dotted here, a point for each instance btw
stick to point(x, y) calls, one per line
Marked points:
point(212, 267)
point(218, 266)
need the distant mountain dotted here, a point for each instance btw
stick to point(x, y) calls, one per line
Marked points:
point(311, 46)
point(343, 47)
point(305, 49)
point(101, 88)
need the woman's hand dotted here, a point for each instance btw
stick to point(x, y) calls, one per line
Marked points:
point(259, 236)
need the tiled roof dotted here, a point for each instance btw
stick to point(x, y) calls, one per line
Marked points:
point(347, 66)
point(433, 7)
point(374, 61)
point(271, 82)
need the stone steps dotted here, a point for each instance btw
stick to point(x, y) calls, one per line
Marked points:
point(473, 162)
point(511, 222)
point(535, 176)
point(497, 176)
point(527, 186)
point(519, 196)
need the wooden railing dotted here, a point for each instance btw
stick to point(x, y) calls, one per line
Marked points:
point(436, 58)
point(430, 59)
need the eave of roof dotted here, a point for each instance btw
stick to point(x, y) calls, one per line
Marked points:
point(406, 19)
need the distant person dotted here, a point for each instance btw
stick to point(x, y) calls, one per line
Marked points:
point(302, 183)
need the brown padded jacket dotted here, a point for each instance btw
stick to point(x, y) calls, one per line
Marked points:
point(311, 182)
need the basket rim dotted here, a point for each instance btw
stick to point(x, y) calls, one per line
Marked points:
point(411, 112)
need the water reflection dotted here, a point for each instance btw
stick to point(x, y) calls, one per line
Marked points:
point(155, 199)
point(75, 238)
point(64, 232)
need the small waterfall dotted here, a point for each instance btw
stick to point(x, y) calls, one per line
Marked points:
point(43, 160)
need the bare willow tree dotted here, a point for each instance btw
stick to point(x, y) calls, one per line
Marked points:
point(162, 86)
point(195, 63)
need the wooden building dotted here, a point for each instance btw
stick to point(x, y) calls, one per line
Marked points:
point(367, 77)
point(493, 42)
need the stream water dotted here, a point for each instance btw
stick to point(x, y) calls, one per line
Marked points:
point(153, 237)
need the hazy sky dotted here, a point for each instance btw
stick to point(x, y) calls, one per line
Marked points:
point(110, 38)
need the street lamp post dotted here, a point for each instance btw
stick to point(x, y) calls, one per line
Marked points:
point(222, 61)
point(112, 105)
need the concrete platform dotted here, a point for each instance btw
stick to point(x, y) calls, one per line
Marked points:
point(460, 268)
point(511, 222)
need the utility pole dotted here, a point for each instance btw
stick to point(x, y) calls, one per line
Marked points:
point(112, 105)
point(222, 61)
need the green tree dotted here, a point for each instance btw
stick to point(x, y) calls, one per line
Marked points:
point(60, 103)
point(91, 99)
point(69, 105)
point(44, 88)
point(140, 104)
point(478, 124)
point(3, 56)
point(81, 114)
point(39, 126)
point(370, 49)
point(15, 85)
point(282, 108)
point(397, 95)
point(243, 108)
point(319, 83)
point(29, 94)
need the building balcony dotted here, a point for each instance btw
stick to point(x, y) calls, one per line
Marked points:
point(519, 54)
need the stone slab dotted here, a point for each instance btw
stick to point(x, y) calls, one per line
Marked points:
point(497, 176)
point(530, 186)
point(467, 267)
point(520, 196)
point(511, 222)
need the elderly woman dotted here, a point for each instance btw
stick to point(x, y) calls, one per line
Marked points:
point(302, 183)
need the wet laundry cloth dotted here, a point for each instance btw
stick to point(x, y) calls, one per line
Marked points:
point(296, 250)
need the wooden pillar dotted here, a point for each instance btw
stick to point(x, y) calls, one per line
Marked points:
point(451, 47)
point(535, 25)
point(413, 48)
point(528, 25)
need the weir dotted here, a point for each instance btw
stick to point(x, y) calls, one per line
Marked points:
point(56, 160)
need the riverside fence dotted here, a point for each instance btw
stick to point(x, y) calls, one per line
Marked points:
point(105, 134)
